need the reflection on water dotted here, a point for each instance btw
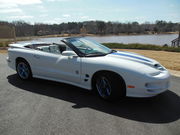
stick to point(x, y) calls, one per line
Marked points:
point(147, 39)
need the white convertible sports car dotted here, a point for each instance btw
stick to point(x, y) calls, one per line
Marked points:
point(90, 65)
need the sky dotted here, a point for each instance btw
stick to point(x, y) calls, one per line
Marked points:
point(58, 11)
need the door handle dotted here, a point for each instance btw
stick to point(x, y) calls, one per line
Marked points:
point(36, 56)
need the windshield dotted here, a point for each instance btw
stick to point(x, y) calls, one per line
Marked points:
point(88, 47)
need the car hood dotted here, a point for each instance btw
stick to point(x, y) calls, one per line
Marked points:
point(128, 56)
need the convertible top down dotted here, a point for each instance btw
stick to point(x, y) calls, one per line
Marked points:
point(90, 65)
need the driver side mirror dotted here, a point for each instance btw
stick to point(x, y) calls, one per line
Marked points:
point(69, 53)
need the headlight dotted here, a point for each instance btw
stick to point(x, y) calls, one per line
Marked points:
point(155, 73)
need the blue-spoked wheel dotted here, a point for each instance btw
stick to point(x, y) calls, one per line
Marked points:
point(110, 86)
point(23, 70)
point(103, 86)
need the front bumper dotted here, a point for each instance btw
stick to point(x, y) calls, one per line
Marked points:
point(150, 86)
point(10, 63)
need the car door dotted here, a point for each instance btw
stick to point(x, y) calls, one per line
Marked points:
point(57, 66)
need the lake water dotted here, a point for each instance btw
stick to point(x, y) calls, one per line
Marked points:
point(144, 39)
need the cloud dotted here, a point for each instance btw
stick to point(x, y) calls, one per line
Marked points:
point(7, 5)
point(173, 17)
point(66, 15)
point(19, 2)
point(43, 15)
point(11, 6)
point(84, 17)
point(41, 8)
point(54, 21)
point(21, 17)
point(57, 0)
point(11, 10)
point(50, 22)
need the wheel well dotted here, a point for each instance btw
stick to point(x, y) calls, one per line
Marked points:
point(20, 59)
point(106, 71)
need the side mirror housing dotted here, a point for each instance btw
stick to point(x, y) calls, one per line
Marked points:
point(69, 53)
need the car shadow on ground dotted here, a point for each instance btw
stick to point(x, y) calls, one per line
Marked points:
point(164, 108)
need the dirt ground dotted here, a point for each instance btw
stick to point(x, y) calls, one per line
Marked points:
point(3, 51)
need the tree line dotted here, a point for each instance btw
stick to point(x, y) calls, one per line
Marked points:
point(23, 28)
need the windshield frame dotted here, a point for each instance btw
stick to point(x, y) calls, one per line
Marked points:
point(68, 42)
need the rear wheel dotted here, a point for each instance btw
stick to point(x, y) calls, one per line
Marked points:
point(109, 86)
point(23, 70)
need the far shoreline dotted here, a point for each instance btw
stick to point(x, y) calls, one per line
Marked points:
point(5, 41)
point(99, 35)
point(102, 35)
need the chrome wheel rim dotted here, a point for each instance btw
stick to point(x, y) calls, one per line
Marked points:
point(103, 86)
point(23, 70)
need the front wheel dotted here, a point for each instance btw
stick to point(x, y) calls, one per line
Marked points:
point(110, 86)
point(23, 70)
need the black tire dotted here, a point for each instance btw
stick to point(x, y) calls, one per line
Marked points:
point(23, 69)
point(110, 86)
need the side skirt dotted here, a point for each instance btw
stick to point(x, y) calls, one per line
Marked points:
point(62, 81)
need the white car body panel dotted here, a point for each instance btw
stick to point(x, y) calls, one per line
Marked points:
point(136, 70)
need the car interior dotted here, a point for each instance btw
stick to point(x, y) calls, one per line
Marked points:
point(51, 48)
